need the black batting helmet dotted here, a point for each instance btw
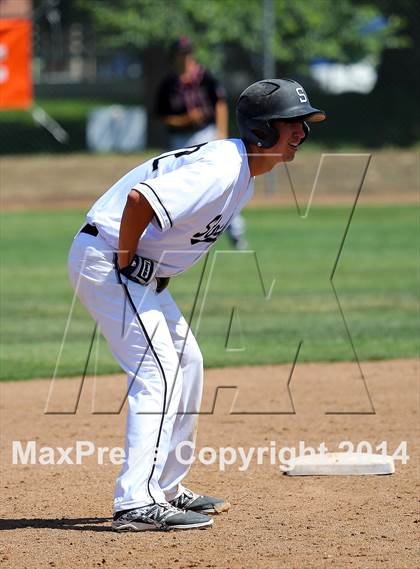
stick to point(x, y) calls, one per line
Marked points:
point(273, 99)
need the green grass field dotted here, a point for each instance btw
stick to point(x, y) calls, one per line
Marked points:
point(376, 280)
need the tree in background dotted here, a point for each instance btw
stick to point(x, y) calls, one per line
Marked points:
point(231, 37)
point(301, 30)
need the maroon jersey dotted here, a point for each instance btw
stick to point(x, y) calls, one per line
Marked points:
point(199, 90)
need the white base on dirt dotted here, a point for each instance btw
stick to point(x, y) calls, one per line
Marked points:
point(341, 464)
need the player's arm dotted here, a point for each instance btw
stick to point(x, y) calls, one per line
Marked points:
point(177, 120)
point(217, 95)
point(136, 216)
point(221, 112)
point(192, 118)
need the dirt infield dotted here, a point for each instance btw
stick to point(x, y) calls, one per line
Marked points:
point(58, 515)
point(41, 182)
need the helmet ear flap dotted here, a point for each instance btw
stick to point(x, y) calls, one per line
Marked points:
point(271, 136)
point(259, 132)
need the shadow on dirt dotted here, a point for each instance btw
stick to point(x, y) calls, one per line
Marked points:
point(77, 524)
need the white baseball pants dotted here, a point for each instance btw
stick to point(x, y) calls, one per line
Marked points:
point(151, 341)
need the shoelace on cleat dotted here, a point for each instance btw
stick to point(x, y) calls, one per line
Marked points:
point(184, 499)
point(160, 512)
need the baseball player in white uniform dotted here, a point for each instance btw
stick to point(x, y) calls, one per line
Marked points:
point(153, 224)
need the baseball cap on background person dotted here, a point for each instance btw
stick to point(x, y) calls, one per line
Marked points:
point(183, 45)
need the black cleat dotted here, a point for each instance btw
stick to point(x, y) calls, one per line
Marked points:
point(192, 502)
point(162, 517)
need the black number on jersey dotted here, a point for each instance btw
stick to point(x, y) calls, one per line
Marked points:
point(177, 154)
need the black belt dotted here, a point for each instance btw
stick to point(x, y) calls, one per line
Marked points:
point(90, 230)
point(162, 282)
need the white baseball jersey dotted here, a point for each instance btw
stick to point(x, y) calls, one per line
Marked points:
point(194, 192)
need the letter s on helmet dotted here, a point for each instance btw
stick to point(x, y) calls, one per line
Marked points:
point(273, 99)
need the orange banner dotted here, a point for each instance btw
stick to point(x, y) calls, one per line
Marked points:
point(15, 64)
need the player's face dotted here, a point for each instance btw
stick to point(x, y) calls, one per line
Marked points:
point(181, 61)
point(291, 133)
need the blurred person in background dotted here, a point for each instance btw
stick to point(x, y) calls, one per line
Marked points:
point(192, 105)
